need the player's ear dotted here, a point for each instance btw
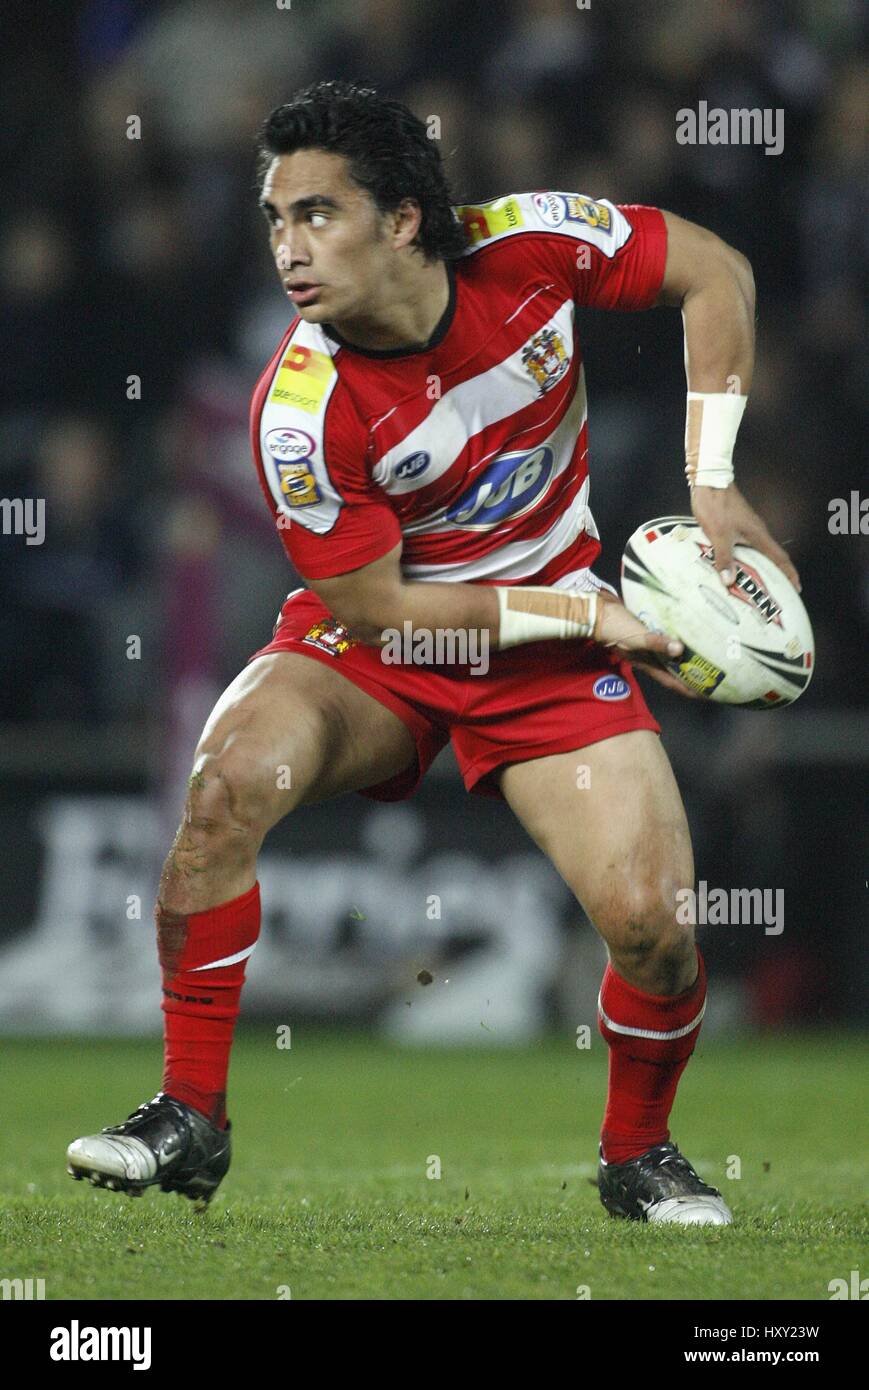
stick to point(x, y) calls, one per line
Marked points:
point(406, 222)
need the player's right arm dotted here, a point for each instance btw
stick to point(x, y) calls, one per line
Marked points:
point(377, 597)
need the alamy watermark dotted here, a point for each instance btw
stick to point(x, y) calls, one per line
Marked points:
point(23, 516)
point(739, 126)
point(849, 516)
point(77, 1343)
point(853, 1287)
point(22, 1288)
point(734, 907)
point(440, 646)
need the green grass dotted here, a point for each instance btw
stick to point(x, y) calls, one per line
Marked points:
point(328, 1191)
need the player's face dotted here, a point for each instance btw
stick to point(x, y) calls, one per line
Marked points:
point(327, 237)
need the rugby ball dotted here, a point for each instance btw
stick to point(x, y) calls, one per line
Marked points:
point(749, 645)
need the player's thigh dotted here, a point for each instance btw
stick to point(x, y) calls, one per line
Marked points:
point(610, 818)
point(297, 732)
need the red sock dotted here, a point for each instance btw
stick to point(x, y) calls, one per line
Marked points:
point(203, 958)
point(650, 1038)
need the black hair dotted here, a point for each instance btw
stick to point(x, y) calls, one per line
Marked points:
point(387, 148)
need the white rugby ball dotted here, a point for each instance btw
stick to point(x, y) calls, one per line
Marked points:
point(749, 645)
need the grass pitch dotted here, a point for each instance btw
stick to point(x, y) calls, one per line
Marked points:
point(328, 1197)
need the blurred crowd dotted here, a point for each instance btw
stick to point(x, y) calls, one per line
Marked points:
point(139, 303)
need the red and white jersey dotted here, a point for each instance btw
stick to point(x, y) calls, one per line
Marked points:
point(472, 450)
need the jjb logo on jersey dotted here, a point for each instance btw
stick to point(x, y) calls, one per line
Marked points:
point(509, 487)
point(413, 465)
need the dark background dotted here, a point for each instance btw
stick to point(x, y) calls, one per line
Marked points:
point(148, 257)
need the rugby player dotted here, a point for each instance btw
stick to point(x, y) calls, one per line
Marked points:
point(420, 437)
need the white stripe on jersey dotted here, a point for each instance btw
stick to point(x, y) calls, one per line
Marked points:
point(563, 442)
point(584, 580)
point(466, 409)
point(517, 559)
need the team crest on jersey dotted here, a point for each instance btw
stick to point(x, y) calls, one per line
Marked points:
point(545, 358)
point(328, 635)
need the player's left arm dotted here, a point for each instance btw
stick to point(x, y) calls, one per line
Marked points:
point(713, 285)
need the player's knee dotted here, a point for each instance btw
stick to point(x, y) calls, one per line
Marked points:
point(663, 945)
point(235, 795)
point(656, 953)
point(642, 931)
point(636, 907)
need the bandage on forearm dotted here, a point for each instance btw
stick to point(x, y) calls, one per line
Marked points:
point(537, 614)
point(711, 423)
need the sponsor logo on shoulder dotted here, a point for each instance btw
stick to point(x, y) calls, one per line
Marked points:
point(556, 208)
point(591, 213)
point(289, 445)
point(611, 688)
point(286, 452)
point(298, 485)
point(413, 465)
point(302, 378)
point(491, 219)
point(550, 208)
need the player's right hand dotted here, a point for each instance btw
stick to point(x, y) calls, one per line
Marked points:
point(620, 629)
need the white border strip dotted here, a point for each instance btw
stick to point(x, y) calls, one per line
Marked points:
point(650, 1032)
point(227, 960)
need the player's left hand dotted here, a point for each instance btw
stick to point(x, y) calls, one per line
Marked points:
point(619, 629)
point(726, 518)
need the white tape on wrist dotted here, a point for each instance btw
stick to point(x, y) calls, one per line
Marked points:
point(535, 614)
point(711, 423)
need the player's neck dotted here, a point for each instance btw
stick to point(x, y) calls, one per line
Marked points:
point(408, 315)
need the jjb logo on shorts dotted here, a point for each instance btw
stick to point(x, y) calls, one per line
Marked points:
point(611, 688)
